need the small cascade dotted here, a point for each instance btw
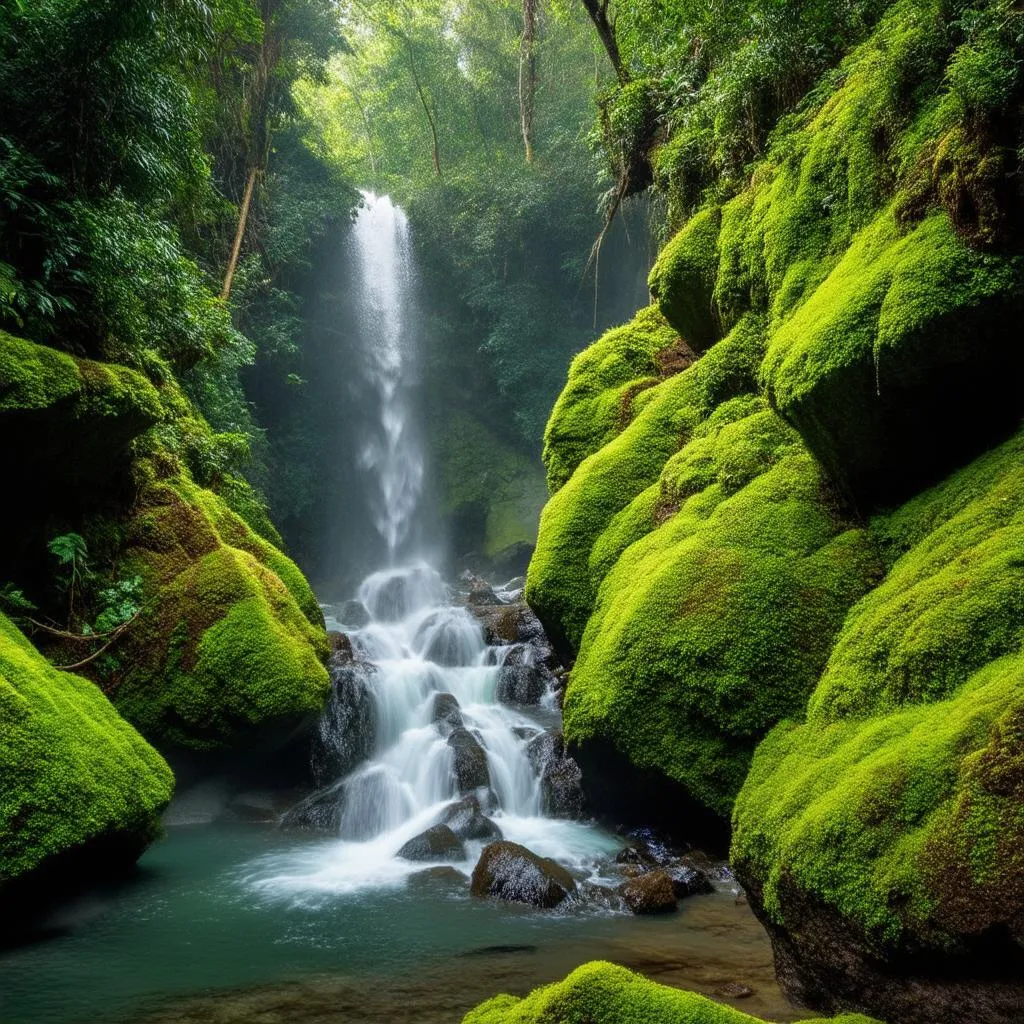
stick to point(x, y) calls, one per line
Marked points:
point(443, 748)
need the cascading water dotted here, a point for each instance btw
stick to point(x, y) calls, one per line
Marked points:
point(424, 686)
point(389, 452)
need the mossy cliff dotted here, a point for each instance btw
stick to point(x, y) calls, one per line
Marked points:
point(78, 781)
point(818, 523)
point(601, 993)
point(891, 817)
point(228, 648)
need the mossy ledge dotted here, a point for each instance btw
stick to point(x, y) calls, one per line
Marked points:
point(602, 993)
point(82, 790)
point(883, 836)
point(230, 648)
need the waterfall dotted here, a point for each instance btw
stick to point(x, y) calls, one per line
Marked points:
point(389, 453)
point(415, 734)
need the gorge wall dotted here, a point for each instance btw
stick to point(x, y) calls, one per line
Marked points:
point(784, 533)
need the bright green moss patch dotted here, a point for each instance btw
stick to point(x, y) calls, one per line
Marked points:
point(72, 771)
point(231, 640)
point(683, 280)
point(559, 584)
point(898, 801)
point(602, 993)
point(596, 403)
point(716, 624)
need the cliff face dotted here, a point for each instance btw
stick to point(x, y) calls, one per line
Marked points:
point(225, 644)
point(787, 571)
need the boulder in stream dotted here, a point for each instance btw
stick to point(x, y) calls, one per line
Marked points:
point(346, 731)
point(649, 893)
point(523, 678)
point(439, 842)
point(467, 820)
point(561, 780)
point(508, 871)
point(471, 771)
point(319, 812)
point(353, 613)
point(445, 712)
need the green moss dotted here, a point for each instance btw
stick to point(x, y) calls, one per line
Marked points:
point(560, 586)
point(602, 993)
point(898, 801)
point(74, 772)
point(596, 403)
point(716, 624)
point(95, 396)
point(683, 280)
point(231, 639)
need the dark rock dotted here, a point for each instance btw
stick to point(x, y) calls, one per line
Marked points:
point(561, 780)
point(650, 893)
point(445, 711)
point(734, 990)
point(319, 812)
point(481, 594)
point(353, 613)
point(346, 732)
point(523, 678)
point(688, 880)
point(512, 624)
point(467, 820)
point(439, 842)
point(442, 875)
point(341, 647)
point(508, 871)
point(471, 771)
point(600, 896)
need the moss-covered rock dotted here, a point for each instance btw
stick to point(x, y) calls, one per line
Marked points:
point(604, 379)
point(885, 832)
point(884, 324)
point(77, 782)
point(230, 644)
point(602, 993)
point(716, 624)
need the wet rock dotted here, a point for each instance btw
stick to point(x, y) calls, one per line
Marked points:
point(734, 990)
point(341, 647)
point(439, 842)
point(508, 871)
point(481, 594)
point(688, 880)
point(445, 711)
point(254, 805)
point(466, 819)
point(471, 772)
point(353, 613)
point(600, 896)
point(319, 812)
point(512, 624)
point(442, 876)
point(345, 734)
point(650, 893)
point(523, 678)
point(397, 593)
point(561, 780)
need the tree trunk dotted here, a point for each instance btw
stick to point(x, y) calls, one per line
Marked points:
point(236, 249)
point(426, 105)
point(528, 75)
point(605, 25)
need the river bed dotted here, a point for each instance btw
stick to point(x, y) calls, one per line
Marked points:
point(190, 939)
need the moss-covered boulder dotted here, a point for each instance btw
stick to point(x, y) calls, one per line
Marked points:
point(602, 993)
point(561, 586)
point(715, 625)
point(81, 791)
point(230, 647)
point(890, 315)
point(882, 839)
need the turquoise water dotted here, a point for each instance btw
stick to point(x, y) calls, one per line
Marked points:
point(191, 939)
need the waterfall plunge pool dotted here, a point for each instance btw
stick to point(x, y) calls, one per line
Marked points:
point(190, 939)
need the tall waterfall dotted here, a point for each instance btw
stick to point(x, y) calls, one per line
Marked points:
point(415, 734)
point(390, 451)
